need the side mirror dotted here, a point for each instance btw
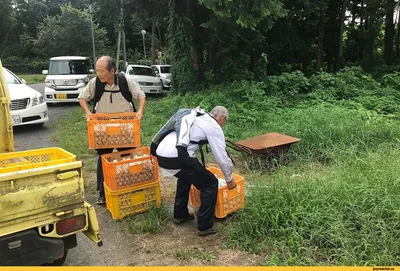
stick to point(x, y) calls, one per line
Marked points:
point(23, 81)
point(91, 71)
point(45, 72)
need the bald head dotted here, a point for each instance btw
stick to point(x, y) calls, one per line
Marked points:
point(107, 62)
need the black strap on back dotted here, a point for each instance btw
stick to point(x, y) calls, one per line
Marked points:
point(119, 80)
point(201, 143)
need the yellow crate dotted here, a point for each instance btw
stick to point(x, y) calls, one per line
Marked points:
point(228, 200)
point(15, 161)
point(133, 200)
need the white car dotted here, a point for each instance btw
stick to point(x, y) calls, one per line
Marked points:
point(164, 71)
point(27, 105)
point(65, 77)
point(149, 82)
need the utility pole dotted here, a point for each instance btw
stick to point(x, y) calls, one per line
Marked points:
point(119, 35)
point(124, 47)
point(144, 45)
point(93, 46)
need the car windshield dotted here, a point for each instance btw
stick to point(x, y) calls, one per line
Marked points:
point(59, 67)
point(141, 71)
point(165, 69)
point(10, 78)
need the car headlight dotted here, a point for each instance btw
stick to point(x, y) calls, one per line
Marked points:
point(50, 84)
point(83, 81)
point(37, 100)
point(158, 84)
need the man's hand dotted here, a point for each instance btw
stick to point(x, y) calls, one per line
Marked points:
point(231, 184)
point(139, 114)
point(88, 115)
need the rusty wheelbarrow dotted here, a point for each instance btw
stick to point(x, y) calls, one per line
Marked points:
point(264, 146)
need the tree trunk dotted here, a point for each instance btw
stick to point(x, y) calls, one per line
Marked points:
point(340, 45)
point(194, 58)
point(389, 32)
point(253, 61)
point(320, 42)
point(398, 33)
point(153, 49)
point(160, 42)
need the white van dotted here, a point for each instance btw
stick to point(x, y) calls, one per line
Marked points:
point(65, 76)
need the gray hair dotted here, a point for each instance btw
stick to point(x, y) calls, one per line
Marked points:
point(220, 111)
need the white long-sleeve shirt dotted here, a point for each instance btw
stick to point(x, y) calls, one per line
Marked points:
point(204, 128)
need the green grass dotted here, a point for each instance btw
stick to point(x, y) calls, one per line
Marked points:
point(205, 255)
point(33, 78)
point(334, 198)
point(152, 221)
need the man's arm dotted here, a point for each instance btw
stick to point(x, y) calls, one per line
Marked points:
point(86, 95)
point(216, 139)
point(142, 101)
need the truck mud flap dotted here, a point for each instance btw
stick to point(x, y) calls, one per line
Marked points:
point(93, 231)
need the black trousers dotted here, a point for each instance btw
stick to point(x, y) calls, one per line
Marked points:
point(100, 176)
point(207, 183)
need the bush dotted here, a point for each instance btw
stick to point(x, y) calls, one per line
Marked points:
point(25, 65)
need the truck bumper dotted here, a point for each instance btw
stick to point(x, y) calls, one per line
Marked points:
point(29, 248)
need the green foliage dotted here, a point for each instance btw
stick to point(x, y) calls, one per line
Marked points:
point(63, 35)
point(244, 13)
point(288, 85)
point(33, 78)
point(25, 65)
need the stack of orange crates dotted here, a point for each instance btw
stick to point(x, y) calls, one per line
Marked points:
point(131, 181)
point(131, 178)
point(228, 200)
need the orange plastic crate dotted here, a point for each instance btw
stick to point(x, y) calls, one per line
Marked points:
point(120, 130)
point(132, 200)
point(124, 169)
point(228, 200)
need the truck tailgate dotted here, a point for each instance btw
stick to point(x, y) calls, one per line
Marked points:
point(40, 192)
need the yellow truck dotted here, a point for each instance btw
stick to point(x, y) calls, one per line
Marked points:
point(42, 205)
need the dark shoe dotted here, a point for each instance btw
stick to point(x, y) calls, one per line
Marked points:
point(210, 231)
point(101, 200)
point(178, 221)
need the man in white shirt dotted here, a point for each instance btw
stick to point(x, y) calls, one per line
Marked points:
point(176, 157)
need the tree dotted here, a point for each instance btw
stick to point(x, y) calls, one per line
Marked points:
point(69, 34)
point(389, 31)
point(7, 21)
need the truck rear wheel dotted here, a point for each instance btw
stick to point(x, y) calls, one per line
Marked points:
point(60, 261)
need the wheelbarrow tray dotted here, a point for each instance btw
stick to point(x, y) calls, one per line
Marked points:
point(268, 144)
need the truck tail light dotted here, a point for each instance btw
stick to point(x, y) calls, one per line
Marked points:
point(70, 225)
